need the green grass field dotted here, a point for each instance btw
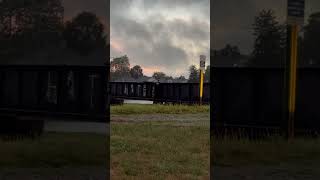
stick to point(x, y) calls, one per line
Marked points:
point(171, 150)
point(55, 150)
point(267, 152)
point(145, 146)
point(275, 159)
point(159, 151)
point(177, 148)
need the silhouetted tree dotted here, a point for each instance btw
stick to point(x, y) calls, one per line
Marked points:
point(181, 79)
point(193, 74)
point(158, 75)
point(120, 68)
point(207, 74)
point(30, 24)
point(136, 72)
point(269, 36)
point(84, 33)
point(230, 50)
point(311, 39)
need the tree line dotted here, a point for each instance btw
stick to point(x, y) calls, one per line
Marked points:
point(31, 26)
point(120, 70)
point(271, 37)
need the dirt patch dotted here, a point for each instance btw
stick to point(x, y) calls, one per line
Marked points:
point(186, 118)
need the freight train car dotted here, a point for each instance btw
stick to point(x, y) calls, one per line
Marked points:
point(179, 93)
point(253, 98)
point(30, 92)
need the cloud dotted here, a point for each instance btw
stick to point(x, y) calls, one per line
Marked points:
point(156, 37)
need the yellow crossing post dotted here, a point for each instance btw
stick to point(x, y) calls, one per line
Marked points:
point(292, 79)
point(295, 19)
point(202, 68)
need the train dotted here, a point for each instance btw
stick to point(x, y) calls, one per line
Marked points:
point(31, 93)
point(161, 93)
point(248, 99)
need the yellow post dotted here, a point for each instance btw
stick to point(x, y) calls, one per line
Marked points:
point(293, 79)
point(201, 86)
point(202, 68)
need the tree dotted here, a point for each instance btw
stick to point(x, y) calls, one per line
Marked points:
point(193, 74)
point(168, 79)
point(159, 75)
point(269, 39)
point(85, 33)
point(47, 23)
point(207, 74)
point(120, 68)
point(181, 79)
point(28, 25)
point(230, 51)
point(136, 72)
point(311, 39)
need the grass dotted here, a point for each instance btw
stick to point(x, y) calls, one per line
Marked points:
point(158, 109)
point(159, 151)
point(155, 149)
point(266, 152)
point(54, 150)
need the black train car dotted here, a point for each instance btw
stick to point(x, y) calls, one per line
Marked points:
point(187, 93)
point(181, 93)
point(255, 97)
point(55, 91)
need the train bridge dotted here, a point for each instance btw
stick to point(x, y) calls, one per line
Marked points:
point(176, 93)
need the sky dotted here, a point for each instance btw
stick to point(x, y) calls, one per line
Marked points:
point(169, 35)
point(160, 35)
point(99, 7)
point(232, 20)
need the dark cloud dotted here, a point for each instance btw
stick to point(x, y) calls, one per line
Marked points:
point(200, 6)
point(130, 28)
point(195, 30)
point(145, 48)
point(152, 38)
